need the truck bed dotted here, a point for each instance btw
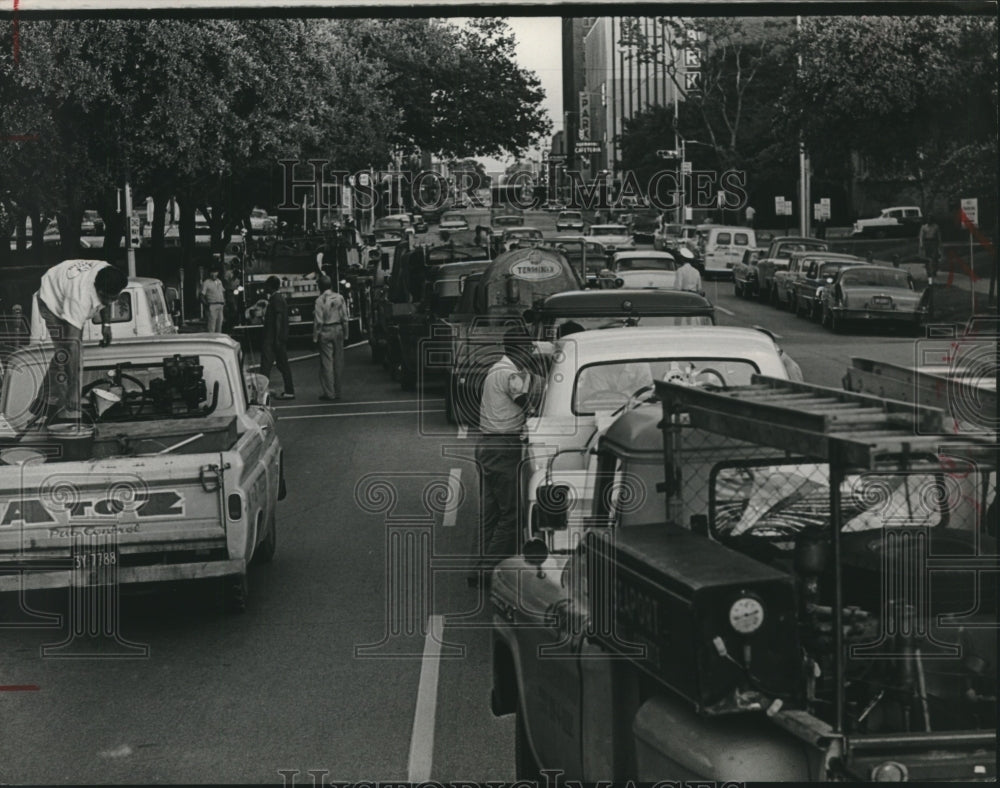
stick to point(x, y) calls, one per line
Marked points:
point(130, 438)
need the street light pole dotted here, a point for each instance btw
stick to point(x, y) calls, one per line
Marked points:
point(804, 185)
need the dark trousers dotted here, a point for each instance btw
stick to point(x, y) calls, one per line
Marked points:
point(499, 457)
point(274, 353)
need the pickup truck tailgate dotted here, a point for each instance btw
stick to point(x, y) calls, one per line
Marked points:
point(144, 508)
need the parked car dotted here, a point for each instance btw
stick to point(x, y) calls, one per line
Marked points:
point(873, 294)
point(783, 285)
point(419, 222)
point(818, 274)
point(513, 237)
point(507, 220)
point(399, 221)
point(613, 236)
point(776, 258)
point(453, 222)
point(261, 222)
point(667, 235)
point(643, 224)
point(570, 220)
point(92, 223)
point(898, 221)
point(644, 270)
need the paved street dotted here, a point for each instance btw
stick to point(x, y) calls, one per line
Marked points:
point(327, 669)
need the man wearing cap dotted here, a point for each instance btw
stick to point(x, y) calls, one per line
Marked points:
point(330, 325)
point(70, 294)
point(502, 411)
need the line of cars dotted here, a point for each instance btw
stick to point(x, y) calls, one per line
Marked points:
point(806, 277)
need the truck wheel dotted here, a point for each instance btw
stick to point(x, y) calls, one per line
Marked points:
point(525, 765)
point(265, 550)
point(235, 590)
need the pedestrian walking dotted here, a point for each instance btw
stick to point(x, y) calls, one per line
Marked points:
point(505, 401)
point(330, 325)
point(929, 244)
point(213, 296)
point(274, 348)
point(750, 214)
point(688, 278)
point(70, 294)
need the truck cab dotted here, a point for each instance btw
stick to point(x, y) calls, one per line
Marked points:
point(750, 598)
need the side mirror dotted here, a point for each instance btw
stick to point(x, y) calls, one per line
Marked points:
point(535, 552)
point(552, 512)
point(258, 389)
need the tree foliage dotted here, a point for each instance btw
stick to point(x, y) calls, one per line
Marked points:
point(913, 95)
point(203, 109)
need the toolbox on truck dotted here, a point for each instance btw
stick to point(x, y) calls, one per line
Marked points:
point(678, 597)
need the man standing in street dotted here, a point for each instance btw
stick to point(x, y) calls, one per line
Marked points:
point(502, 411)
point(71, 293)
point(213, 296)
point(929, 245)
point(330, 324)
point(688, 278)
point(275, 343)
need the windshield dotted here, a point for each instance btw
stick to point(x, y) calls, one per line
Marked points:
point(570, 215)
point(832, 269)
point(801, 246)
point(608, 386)
point(524, 233)
point(611, 229)
point(453, 217)
point(645, 264)
point(872, 277)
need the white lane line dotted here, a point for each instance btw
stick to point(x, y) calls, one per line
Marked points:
point(422, 736)
point(366, 413)
point(724, 310)
point(463, 432)
point(356, 344)
point(454, 490)
point(297, 358)
point(352, 403)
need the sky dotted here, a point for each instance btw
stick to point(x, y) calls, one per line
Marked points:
point(539, 49)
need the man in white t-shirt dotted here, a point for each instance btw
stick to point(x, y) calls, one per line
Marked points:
point(688, 278)
point(71, 293)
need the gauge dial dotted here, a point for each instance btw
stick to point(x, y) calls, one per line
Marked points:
point(746, 615)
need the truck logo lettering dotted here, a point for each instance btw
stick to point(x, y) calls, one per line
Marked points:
point(534, 271)
point(33, 511)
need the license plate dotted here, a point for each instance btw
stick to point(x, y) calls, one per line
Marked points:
point(95, 559)
point(881, 301)
point(295, 318)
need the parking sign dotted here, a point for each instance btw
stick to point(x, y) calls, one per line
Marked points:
point(970, 207)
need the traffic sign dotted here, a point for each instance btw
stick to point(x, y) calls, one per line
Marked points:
point(685, 168)
point(970, 207)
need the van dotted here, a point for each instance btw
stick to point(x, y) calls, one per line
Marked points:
point(724, 246)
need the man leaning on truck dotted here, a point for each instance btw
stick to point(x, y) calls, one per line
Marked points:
point(71, 293)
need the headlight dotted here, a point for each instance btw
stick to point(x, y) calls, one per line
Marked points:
point(889, 772)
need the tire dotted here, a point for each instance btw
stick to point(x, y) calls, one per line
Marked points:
point(773, 297)
point(793, 306)
point(525, 765)
point(881, 234)
point(264, 553)
point(235, 591)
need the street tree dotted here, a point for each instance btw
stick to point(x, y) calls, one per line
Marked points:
point(913, 96)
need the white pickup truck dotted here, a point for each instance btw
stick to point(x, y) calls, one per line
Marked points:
point(175, 475)
point(140, 311)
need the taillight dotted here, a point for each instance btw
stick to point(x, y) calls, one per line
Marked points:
point(235, 506)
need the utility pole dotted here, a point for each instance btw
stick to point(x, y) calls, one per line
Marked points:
point(804, 195)
point(129, 250)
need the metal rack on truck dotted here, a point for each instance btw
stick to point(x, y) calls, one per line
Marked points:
point(818, 603)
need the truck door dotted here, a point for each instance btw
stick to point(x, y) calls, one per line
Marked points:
point(549, 643)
